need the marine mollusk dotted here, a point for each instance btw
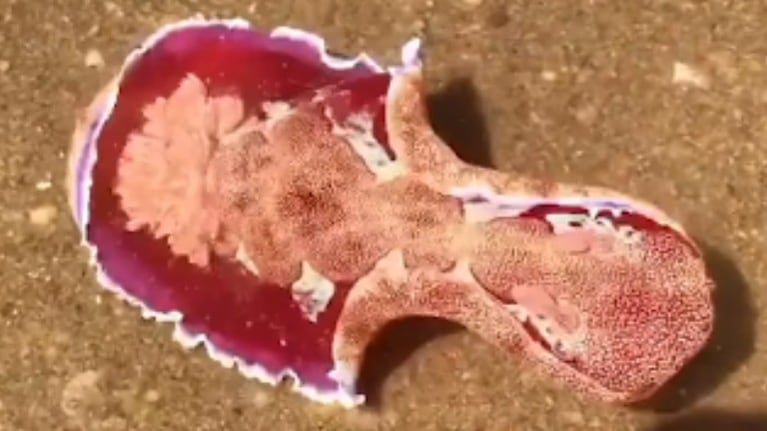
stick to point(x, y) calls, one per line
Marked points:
point(280, 205)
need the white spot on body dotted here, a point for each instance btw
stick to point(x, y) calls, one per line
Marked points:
point(563, 341)
point(607, 234)
point(462, 272)
point(312, 291)
point(344, 375)
point(482, 212)
point(358, 133)
point(391, 171)
point(242, 256)
point(411, 53)
point(275, 111)
point(562, 223)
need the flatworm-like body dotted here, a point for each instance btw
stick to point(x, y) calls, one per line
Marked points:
point(281, 205)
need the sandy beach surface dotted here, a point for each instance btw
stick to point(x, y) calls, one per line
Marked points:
point(666, 100)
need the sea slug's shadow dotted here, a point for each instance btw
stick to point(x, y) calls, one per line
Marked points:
point(456, 115)
point(732, 340)
point(714, 420)
point(393, 347)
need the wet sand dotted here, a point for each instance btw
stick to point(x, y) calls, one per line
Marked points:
point(665, 100)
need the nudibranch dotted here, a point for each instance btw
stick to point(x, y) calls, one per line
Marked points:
point(280, 204)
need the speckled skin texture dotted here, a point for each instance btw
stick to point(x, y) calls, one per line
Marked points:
point(610, 116)
point(226, 193)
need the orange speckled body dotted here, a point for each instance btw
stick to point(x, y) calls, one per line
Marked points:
point(359, 228)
